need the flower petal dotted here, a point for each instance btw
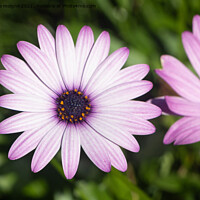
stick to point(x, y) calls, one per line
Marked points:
point(196, 26)
point(106, 71)
point(24, 102)
point(24, 121)
point(40, 64)
point(116, 155)
point(70, 151)
point(84, 44)
point(122, 93)
point(29, 140)
point(140, 109)
point(182, 106)
point(47, 45)
point(192, 48)
point(66, 55)
point(180, 85)
point(48, 147)
point(113, 133)
point(97, 54)
point(94, 147)
point(18, 83)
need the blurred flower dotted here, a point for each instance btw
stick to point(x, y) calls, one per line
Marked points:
point(187, 129)
point(72, 97)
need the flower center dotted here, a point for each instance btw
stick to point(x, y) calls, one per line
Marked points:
point(73, 106)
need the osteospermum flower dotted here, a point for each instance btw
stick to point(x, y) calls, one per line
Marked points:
point(187, 129)
point(73, 97)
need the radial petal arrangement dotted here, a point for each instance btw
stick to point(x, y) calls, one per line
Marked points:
point(73, 96)
point(186, 84)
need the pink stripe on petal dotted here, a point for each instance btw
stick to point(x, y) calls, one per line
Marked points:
point(20, 84)
point(196, 26)
point(113, 133)
point(48, 147)
point(182, 106)
point(84, 44)
point(40, 64)
point(29, 140)
point(47, 45)
point(122, 93)
point(180, 85)
point(92, 144)
point(65, 55)
point(24, 121)
point(116, 155)
point(192, 47)
point(107, 70)
point(174, 130)
point(98, 53)
point(24, 102)
point(70, 151)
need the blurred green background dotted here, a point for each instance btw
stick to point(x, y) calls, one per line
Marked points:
point(149, 28)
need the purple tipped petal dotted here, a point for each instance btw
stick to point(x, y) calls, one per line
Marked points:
point(116, 155)
point(24, 121)
point(47, 45)
point(40, 64)
point(70, 151)
point(122, 93)
point(84, 44)
point(180, 85)
point(29, 140)
point(48, 147)
point(192, 47)
point(20, 84)
point(24, 102)
point(98, 53)
point(113, 133)
point(94, 147)
point(106, 71)
point(196, 26)
point(66, 55)
point(183, 107)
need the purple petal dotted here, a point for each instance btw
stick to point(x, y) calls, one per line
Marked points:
point(182, 129)
point(18, 83)
point(113, 132)
point(116, 155)
point(66, 55)
point(24, 102)
point(84, 44)
point(182, 106)
point(70, 151)
point(122, 93)
point(106, 71)
point(162, 104)
point(29, 140)
point(48, 147)
point(196, 26)
point(192, 47)
point(94, 147)
point(132, 73)
point(24, 121)
point(180, 85)
point(98, 53)
point(47, 45)
point(40, 64)
point(140, 109)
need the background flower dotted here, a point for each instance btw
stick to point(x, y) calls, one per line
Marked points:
point(187, 129)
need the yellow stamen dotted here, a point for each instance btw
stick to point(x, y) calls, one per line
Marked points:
point(75, 120)
point(60, 113)
point(63, 109)
point(67, 93)
point(75, 90)
point(79, 92)
point(66, 117)
point(72, 116)
point(87, 108)
point(70, 120)
point(86, 97)
point(80, 118)
point(63, 117)
point(62, 102)
point(83, 114)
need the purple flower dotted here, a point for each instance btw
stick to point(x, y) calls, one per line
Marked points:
point(187, 129)
point(73, 97)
